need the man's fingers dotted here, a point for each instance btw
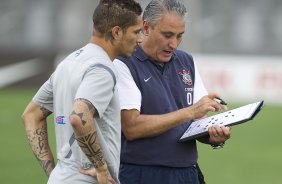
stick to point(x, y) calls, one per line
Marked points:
point(220, 132)
point(216, 131)
point(219, 106)
point(111, 180)
point(213, 95)
point(90, 172)
point(226, 131)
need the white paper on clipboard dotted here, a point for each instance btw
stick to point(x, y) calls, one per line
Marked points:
point(228, 118)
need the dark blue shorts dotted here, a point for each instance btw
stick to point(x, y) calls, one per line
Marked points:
point(138, 174)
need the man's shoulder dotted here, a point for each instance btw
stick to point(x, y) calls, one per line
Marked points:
point(90, 52)
point(123, 59)
point(130, 62)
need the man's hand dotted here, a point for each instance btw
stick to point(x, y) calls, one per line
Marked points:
point(219, 134)
point(103, 177)
point(206, 104)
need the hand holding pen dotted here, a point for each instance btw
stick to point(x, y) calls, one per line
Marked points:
point(210, 103)
point(220, 101)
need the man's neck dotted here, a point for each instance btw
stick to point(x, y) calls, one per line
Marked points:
point(106, 45)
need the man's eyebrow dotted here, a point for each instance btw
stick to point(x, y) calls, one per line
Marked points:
point(172, 33)
point(167, 32)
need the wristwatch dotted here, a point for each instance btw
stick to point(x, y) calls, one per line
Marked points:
point(217, 146)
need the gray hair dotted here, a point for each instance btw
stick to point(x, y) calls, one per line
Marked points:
point(157, 8)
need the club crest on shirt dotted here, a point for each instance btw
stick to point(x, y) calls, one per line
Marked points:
point(186, 77)
point(60, 120)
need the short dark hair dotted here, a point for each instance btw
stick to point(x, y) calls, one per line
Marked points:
point(110, 13)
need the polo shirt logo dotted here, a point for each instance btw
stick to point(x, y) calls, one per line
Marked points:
point(147, 79)
point(186, 77)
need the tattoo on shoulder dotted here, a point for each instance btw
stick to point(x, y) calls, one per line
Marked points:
point(45, 112)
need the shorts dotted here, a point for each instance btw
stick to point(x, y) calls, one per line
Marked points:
point(139, 174)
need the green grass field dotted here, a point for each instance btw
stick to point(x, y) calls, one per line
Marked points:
point(251, 156)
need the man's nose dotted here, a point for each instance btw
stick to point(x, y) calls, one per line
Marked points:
point(173, 43)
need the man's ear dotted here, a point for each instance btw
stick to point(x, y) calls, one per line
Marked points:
point(145, 27)
point(117, 33)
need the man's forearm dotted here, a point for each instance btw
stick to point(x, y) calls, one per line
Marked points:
point(92, 149)
point(137, 126)
point(86, 134)
point(38, 141)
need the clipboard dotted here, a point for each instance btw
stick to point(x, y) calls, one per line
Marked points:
point(228, 118)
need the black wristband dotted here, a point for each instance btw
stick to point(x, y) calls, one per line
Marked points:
point(218, 146)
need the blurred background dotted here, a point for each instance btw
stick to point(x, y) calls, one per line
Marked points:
point(237, 46)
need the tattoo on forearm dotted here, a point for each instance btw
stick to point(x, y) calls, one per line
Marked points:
point(45, 112)
point(38, 141)
point(92, 149)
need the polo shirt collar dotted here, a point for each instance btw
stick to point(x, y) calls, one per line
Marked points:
point(140, 54)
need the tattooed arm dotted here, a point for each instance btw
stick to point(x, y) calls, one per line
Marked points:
point(34, 119)
point(85, 131)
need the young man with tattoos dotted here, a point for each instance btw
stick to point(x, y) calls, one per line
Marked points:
point(83, 97)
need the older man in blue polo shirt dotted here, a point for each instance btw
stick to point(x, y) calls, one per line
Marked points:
point(161, 92)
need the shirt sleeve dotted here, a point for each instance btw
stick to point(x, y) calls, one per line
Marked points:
point(97, 87)
point(129, 94)
point(199, 88)
point(44, 96)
